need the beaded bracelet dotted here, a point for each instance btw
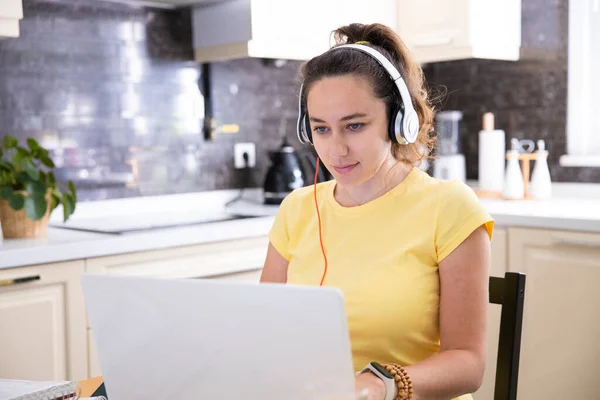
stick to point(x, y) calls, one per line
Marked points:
point(403, 382)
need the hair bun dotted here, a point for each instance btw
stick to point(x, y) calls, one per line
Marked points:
point(376, 35)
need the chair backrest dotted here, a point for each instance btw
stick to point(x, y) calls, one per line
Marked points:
point(509, 292)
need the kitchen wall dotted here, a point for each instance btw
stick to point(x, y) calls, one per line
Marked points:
point(114, 91)
point(528, 97)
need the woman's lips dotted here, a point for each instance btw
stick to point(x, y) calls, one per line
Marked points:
point(344, 169)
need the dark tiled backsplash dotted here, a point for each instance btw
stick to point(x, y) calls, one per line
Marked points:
point(115, 92)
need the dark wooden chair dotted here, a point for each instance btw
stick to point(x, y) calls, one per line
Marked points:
point(509, 292)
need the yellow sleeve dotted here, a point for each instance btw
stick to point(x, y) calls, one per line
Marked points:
point(279, 235)
point(460, 213)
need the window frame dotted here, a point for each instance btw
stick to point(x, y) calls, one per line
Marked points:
point(579, 87)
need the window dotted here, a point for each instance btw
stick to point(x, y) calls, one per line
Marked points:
point(583, 100)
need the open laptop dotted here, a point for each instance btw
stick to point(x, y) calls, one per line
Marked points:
point(160, 338)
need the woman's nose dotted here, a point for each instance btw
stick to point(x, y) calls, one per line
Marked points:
point(338, 147)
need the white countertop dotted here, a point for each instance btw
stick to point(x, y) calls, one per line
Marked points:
point(573, 207)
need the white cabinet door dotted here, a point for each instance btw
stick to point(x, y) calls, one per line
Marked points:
point(426, 24)
point(42, 323)
point(302, 29)
point(198, 261)
point(561, 324)
point(251, 276)
point(12, 9)
point(443, 30)
point(11, 12)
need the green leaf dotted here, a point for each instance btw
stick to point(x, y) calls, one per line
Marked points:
point(35, 188)
point(16, 201)
point(1, 153)
point(51, 179)
point(46, 161)
point(23, 152)
point(73, 191)
point(6, 178)
point(35, 207)
point(31, 170)
point(6, 166)
point(54, 200)
point(68, 205)
point(9, 142)
point(43, 177)
point(32, 143)
point(23, 177)
point(6, 192)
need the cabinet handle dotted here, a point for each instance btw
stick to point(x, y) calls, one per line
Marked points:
point(573, 242)
point(16, 281)
point(434, 42)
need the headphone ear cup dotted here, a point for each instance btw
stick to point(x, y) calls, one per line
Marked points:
point(303, 134)
point(395, 128)
point(308, 132)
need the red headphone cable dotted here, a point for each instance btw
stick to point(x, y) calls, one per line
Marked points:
point(319, 221)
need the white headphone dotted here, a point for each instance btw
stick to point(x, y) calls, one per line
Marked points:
point(404, 121)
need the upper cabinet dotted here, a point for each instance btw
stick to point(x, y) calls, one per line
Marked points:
point(443, 30)
point(11, 12)
point(295, 30)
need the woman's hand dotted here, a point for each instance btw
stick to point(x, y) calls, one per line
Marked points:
point(369, 387)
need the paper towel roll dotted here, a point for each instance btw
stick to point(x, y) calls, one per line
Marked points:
point(492, 159)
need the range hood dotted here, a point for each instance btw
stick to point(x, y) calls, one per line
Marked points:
point(277, 29)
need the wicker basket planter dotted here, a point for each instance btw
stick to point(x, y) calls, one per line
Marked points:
point(29, 192)
point(15, 224)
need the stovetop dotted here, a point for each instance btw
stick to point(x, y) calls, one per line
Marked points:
point(124, 224)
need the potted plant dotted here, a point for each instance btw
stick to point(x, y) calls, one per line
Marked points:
point(28, 189)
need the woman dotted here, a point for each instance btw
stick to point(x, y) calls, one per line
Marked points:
point(410, 253)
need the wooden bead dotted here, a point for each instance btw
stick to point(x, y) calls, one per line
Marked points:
point(403, 382)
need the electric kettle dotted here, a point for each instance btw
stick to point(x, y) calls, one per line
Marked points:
point(289, 170)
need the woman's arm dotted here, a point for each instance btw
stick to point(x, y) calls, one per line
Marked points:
point(458, 368)
point(464, 280)
point(275, 268)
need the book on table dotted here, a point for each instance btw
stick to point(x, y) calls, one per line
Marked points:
point(14, 389)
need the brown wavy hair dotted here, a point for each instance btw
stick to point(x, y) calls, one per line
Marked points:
point(386, 41)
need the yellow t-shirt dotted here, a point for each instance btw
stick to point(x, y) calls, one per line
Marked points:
point(384, 257)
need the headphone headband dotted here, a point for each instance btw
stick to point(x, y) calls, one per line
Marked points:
point(405, 125)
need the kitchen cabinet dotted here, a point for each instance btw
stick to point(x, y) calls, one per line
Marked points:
point(442, 30)
point(499, 266)
point(42, 323)
point(11, 12)
point(561, 327)
point(236, 260)
point(296, 30)
point(218, 259)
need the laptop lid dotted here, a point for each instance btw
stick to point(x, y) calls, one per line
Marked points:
point(160, 338)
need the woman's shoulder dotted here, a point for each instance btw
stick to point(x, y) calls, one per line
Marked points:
point(442, 187)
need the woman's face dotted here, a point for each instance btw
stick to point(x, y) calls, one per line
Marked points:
point(349, 128)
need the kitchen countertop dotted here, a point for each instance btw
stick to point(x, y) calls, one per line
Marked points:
point(573, 207)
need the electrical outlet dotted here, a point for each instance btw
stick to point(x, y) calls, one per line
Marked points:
point(238, 155)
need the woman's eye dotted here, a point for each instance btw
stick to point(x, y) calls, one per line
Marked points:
point(320, 129)
point(355, 127)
